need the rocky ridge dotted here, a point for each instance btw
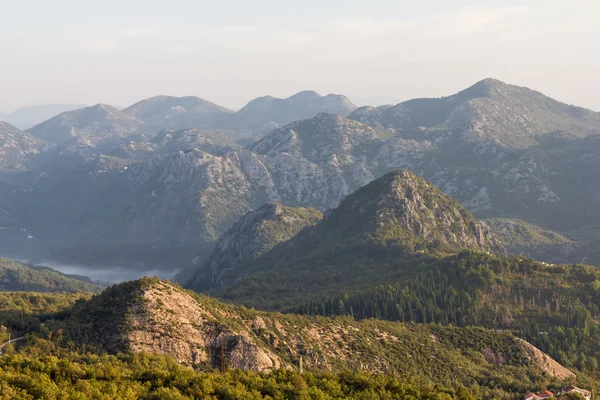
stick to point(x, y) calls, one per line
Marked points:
point(154, 316)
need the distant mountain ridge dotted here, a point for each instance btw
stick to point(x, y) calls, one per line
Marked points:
point(303, 105)
point(547, 179)
point(97, 124)
point(167, 112)
point(27, 117)
point(491, 110)
point(169, 141)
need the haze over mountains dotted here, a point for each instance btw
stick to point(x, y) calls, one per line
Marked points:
point(27, 117)
point(133, 185)
point(397, 232)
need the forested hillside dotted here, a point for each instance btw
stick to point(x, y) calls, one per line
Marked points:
point(67, 353)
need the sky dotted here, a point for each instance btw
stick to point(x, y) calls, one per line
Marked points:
point(230, 51)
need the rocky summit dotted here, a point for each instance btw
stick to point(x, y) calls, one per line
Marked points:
point(404, 207)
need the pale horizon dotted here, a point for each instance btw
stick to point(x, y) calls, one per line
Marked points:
point(232, 52)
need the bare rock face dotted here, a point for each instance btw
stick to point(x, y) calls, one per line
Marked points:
point(247, 356)
point(545, 362)
point(170, 321)
point(258, 324)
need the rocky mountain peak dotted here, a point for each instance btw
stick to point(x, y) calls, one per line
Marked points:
point(102, 111)
point(403, 207)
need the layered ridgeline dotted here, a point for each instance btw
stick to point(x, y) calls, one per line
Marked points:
point(547, 179)
point(15, 276)
point(501, 150)
point(154, 316)
point(374, 236)
point(252, 236)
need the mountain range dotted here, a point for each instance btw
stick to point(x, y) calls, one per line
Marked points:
point(390, 240)
point(502, 151)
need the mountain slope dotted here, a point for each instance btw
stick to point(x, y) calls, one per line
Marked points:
point(169, 141)
point(178, 112)
point(97, 124)
point(17, 148)
point(269, 111)
point(316, 162)
point(253, 235)
point(116, 211)
point(15, 276)
point(394, 219)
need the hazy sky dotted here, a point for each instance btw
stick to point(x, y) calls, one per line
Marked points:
point(120, 51)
